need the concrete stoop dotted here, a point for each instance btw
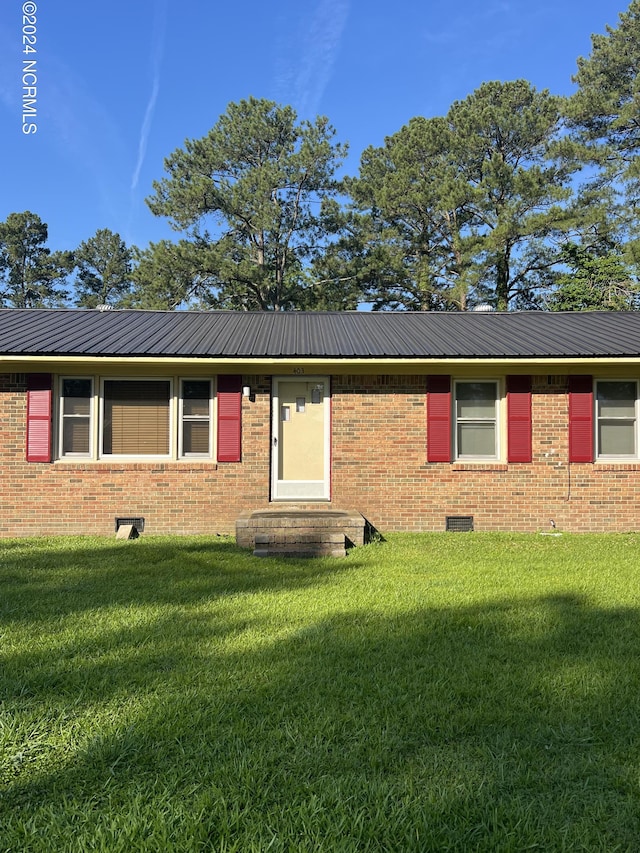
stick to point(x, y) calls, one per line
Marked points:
point(292, 531)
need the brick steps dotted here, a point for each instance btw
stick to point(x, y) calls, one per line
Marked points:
point(291, 531)
point(319, 544)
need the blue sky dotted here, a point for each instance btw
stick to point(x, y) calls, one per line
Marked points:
point(122, 85)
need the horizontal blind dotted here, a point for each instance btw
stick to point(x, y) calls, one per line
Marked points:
point(136, 417)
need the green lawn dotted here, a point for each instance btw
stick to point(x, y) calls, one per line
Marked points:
point(468, 692)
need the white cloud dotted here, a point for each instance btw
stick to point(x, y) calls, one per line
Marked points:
point(310, 53)
point(157, 52)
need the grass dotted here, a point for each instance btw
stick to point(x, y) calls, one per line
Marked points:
point(435, 692)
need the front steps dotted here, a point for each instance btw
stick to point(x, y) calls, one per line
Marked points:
point(295, 532)
point(321, 543)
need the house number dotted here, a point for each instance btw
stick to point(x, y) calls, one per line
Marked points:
point(298, 371)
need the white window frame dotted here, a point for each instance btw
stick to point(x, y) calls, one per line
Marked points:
point(62, 417)
point(96, 418)
point(597, 418)
point(496, 420)
point(182, 417)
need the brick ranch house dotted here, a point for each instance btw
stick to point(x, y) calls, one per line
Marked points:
point(188, 419)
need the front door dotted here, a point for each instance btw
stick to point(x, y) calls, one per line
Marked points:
point(300, 438)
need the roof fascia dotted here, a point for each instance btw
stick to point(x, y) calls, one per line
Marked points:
point(19, 363)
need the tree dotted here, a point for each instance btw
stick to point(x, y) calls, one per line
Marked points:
point(469, 206)
point(605, 111)
point(104, 265)
point(340, 274)
point(595, 281)
point(171, 275)
point(413, 198)
point(604, 121)
point(31, 275)
point(259, 178)
point(517, 188)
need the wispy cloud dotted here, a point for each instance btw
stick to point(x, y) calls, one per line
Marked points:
point(157, 52)
point(303, 78)
point(144, 133)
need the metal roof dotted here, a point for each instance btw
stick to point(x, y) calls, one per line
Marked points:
point(336, 335)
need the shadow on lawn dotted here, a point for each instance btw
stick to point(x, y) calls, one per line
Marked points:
point(503, 727)
point(44, 578)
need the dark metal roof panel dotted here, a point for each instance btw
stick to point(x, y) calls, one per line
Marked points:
point(338, 335)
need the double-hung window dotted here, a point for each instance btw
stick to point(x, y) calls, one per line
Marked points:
point(76, 416)
point(195, 417)
point(476, 428)
point(617, 418)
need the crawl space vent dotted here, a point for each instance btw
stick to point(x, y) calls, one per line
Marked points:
point(459, 523)
point(137, 522)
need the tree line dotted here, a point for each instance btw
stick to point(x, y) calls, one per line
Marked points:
point(515, 199)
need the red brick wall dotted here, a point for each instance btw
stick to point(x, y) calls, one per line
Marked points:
point(85, 497)
point(379, 468)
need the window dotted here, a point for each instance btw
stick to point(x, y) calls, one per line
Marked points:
point(104, 418)
point(616, 418)
point(76, 410)
point(136, 417)
point(476, 420)
point(467, 419)
point(195, 415)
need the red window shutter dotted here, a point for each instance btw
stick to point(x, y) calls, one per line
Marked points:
point(229, 418)
point(39, 417)
point(439, 419)
point(519, 419)
point(580, 419)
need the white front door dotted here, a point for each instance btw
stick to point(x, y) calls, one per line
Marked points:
point(300, 452)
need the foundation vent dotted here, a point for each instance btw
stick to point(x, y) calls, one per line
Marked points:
point(459, 523)
point(134, 521)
